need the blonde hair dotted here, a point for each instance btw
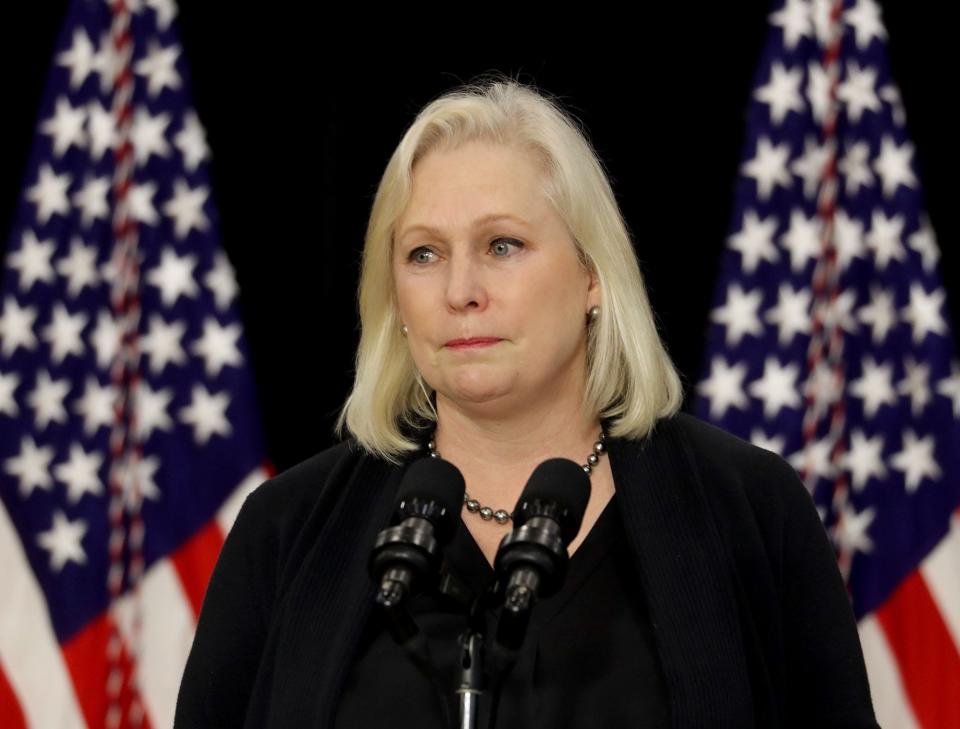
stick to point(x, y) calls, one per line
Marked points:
point(631, 381)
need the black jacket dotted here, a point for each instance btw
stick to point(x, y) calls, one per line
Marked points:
point(752, 620)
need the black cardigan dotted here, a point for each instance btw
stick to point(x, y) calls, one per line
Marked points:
point(752, 621)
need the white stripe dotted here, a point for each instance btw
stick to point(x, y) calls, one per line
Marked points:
point(941, 570)
point(889, 700)
point(231, 507)
point(166, 634)
point(29, 649)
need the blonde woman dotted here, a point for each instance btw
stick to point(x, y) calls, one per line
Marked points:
point(505, 322)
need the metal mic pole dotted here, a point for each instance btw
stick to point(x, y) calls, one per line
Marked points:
point(470, 686)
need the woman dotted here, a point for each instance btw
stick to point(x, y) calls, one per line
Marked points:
point(504, 322)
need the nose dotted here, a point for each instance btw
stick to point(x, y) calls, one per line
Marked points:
point(465, 285)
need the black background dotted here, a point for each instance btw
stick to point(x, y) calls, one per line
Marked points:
point(302, 110)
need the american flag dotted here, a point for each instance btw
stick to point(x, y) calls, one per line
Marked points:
point(829, 341)
point(129, 434)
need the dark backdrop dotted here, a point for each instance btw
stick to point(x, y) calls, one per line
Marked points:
point(302, 112)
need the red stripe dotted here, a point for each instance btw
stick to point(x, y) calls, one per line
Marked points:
point(86, 658)
point(11, 715)
point(194, 562)
point(927, 656)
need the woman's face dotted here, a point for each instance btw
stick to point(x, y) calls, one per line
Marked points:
point(488, 282)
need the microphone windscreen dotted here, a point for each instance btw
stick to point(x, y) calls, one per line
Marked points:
point(563, 482)
point(434, 479)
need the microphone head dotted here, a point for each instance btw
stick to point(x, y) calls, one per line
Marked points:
point(433, 489)
point(560, 489)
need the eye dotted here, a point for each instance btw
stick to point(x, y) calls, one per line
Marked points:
point(421, 255)
point(500, 247)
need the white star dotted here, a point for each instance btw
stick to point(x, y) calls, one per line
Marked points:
point(218, 346)
point(106, 62)
point(65, 127)
point(151, 408)
point(851, 530)
point(63, 541)
point(760, 439)
point(140, 200)
point(880, 314)
point(222, 281)
point(186, 208)
point(781, 92)
point(159, 67)
point(884, 239)
point(768, 167)
point(755, 241)
point(46, 399)
point(79, 267)
point(16, 327)
point(105, 338)
point(31, 466)
point(823, 24)
point(49, 194)
point(174, 276)
point(822, 388)
point(810, 167)
point(950, 387)
point(864, 460)
point(32, 260)
point(847, 239)
point(875, 386)
point(777, 388)
point(916, 460)
point(838, 312)
point(79, 58)
point(924, 242)
point(893, 165)
point(102, 130)
point(802, 239)
point(8, 385)
point(92, 200)
point(791, 315)
point(915, 384)
point(162, 344)
point(147, 135)
point(815, 459)
point(724, 387)
point(95, 406)
point(854, 167)
point(819, 85)
point(191, 140)
point(63, 333)
point(794, 19)
point(923, 312)
point(865, 19)
point(207, 414)
point(739, 314)
point(139, 482)
point(891, 94)
point(79, 473)
point(166, 11)
point(858, 91)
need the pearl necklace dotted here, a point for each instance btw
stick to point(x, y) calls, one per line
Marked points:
point(502, 516)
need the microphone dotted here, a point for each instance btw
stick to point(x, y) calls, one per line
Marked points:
point(531, 562)
point(406, 556)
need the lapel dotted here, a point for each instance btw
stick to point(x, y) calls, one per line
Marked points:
point(680, 561)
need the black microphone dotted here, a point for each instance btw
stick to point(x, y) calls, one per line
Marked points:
point(406, 556)
point(531, 562)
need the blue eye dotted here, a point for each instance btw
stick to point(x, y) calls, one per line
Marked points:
point(500, 247)
point(421, 255)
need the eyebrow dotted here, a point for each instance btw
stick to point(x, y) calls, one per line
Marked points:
point(484, 220)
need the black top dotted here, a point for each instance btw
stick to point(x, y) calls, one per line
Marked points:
point(589, 658)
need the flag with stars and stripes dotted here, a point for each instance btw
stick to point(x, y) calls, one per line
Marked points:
point(129, 433)
point(829, 342)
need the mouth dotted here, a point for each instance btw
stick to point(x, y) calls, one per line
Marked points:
point(472, 343)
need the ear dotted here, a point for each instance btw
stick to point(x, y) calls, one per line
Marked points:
point(594, 297)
